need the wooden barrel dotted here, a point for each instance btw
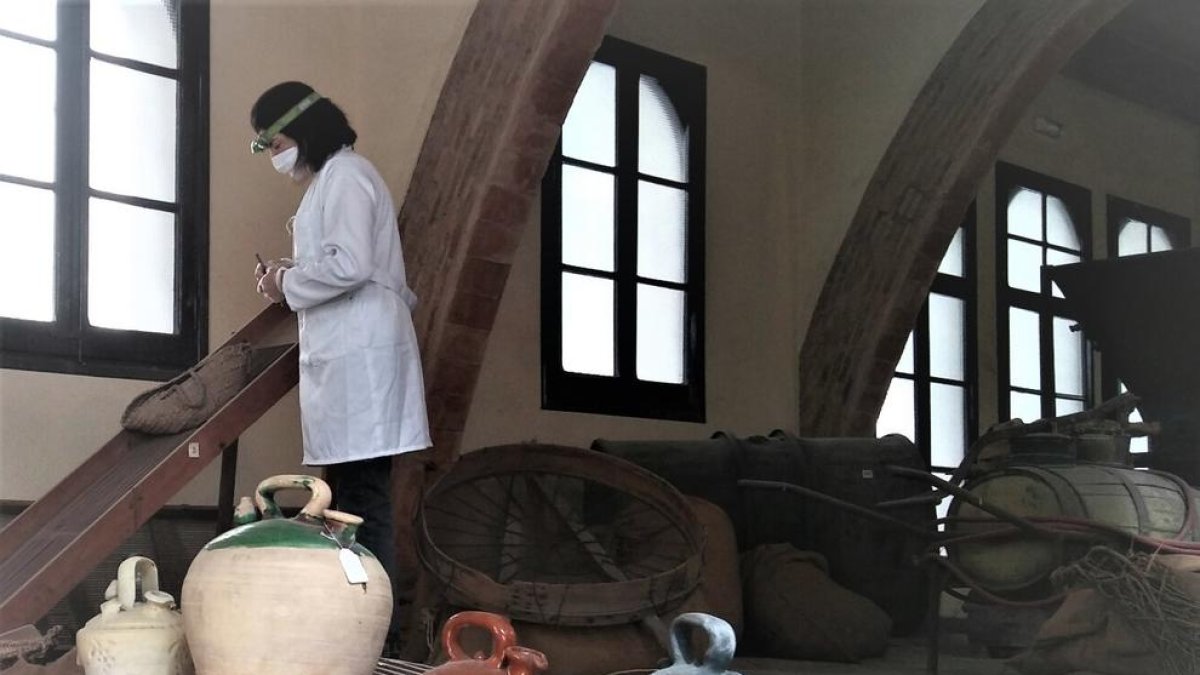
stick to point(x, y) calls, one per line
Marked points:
point(1148, 503)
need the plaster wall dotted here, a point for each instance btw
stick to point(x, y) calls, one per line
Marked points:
point(383, 62)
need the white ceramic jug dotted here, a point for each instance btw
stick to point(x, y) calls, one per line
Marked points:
point(129, 637)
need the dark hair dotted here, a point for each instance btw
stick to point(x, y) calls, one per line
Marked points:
point(319, 131)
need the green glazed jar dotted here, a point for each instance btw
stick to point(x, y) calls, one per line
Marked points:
point(288, 596)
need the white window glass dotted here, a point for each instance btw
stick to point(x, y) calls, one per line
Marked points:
point(1131, 239)
point(590, 131)
point(906, 357)
point(26, 253)
point(898, 414)
point(588, 325)
point(1056, 257)
point(662, 138)
point(1025, 407)
point(27, 113)
point(1159, 241)
point(132, 132)
point(660, 334)
point(1067, 406)
point(131, 267)
point(1060, 230)
point(1068, 358)
point(1025, 214)
point(588, 239)
point(1024, 266)
point(662, 232)
point(946, 330)
point(947, 424)
point(1138, 444)
point(35, 18)
point(1024, 349)
point(952, 261)
point(142, 30)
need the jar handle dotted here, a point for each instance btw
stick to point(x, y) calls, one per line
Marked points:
point(722, 642)
point(127, 577)
point(503, 635)
point(317, 503)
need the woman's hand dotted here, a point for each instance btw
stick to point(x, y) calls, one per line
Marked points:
point(270, 281)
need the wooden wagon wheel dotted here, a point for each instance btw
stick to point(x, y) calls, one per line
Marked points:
point(559, 535)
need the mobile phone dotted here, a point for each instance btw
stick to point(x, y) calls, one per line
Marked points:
point(260, 260)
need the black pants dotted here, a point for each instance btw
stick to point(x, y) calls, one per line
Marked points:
point(364, 488)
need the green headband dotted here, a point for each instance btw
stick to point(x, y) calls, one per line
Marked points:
point(263, 140)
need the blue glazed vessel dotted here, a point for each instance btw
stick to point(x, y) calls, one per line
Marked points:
point(722, 643)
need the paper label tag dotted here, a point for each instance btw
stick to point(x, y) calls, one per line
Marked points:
point(352, 566)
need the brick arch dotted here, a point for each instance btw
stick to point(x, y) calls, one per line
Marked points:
point(917, 197)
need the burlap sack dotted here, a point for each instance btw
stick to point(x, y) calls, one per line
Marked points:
point(191, 398)
point(795, 611)
point(1089, 633)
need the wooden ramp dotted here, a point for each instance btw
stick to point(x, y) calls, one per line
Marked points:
point(52, 545)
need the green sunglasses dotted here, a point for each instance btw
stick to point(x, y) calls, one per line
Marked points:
point(263, 140)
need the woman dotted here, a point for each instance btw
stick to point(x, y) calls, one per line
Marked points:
point(362, 398)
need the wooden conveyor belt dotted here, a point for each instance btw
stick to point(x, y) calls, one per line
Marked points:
point(53, 545)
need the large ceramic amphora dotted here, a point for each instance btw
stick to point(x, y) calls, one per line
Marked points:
point(287, 596)
point(132, 636)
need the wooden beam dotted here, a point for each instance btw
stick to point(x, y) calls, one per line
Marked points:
point(917, 197)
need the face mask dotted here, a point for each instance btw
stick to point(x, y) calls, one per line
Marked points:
point(285, 162)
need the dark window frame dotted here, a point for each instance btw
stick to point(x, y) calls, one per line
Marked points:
point(623, 394)
point(69, 344)
point(1077, 200)
point(963, 288)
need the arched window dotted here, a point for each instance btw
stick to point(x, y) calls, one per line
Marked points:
point(1043, 359)
point(623, 241)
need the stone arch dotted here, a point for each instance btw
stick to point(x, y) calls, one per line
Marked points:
point(917, 196)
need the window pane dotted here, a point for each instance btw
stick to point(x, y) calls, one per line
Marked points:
point(142, 30)
point(662, 232)
point(660, 334)
point(27, 261)
point(131, 267)
point(1024, 349)
point(952, 261)
point(898, 414)
point(662, 138)
point(1056, 257)
point(906, 358)
point(1068, 358)
point(1137, 444)
point(1025, 407)
point(1024, 266)
point(1132, 238)
point(587, 219)
point(132, 132)
point(1159, 241)
point(1060, 229)
point(946, 333)
point(590, 131)
point(1025, 214)
point(35, 18)
point(27, 113)
point(587, 325)
point(1067, 406)
point(947, 420)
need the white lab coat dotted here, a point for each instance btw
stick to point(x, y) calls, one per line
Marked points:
point(361, 391)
